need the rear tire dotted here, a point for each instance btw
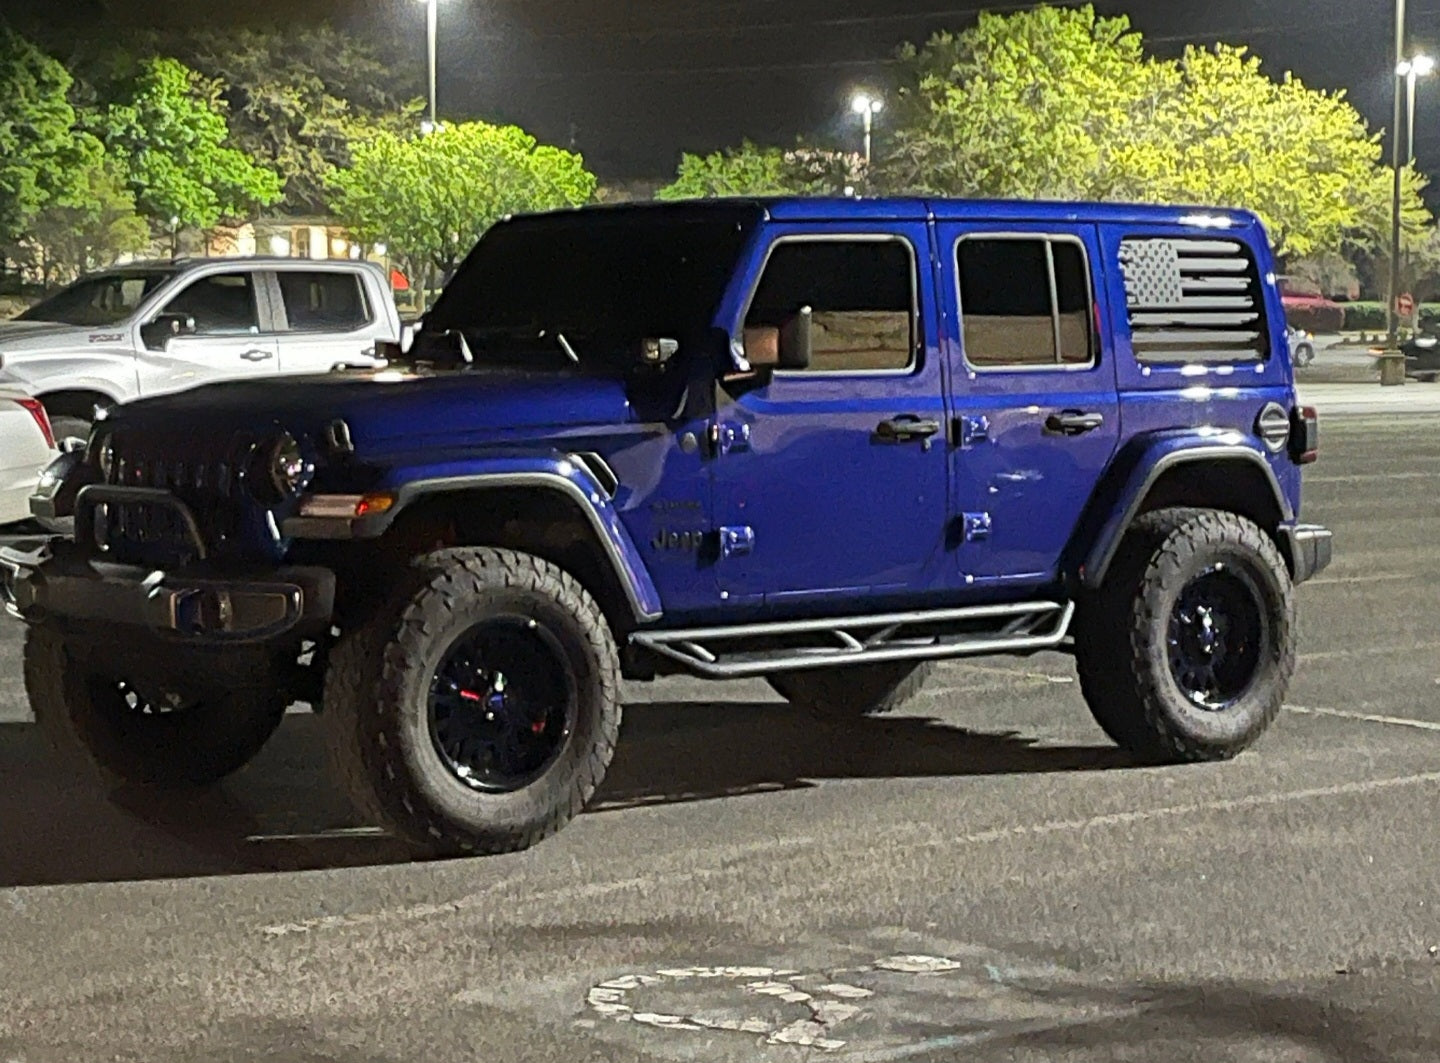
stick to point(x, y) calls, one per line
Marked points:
point(1186, 652)
point(96, 713)
point(479, 712)
point(65, 427)
point(851, 692)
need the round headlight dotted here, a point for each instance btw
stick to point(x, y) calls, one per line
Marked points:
point(106, 456)
point(289, 471)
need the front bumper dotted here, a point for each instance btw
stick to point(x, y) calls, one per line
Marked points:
point(1307, 548)
point(46, 579)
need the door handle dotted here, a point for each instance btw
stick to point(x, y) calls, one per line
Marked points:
point(258, 356)
point(1073, 422)
point(905, 427)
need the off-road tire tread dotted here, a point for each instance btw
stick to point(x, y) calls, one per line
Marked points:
point(363, 689)
point(66, 718)
point(1125, 696)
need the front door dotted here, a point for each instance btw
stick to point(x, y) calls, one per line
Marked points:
point(830, 481)
point(1036, 416)
point(228, 341)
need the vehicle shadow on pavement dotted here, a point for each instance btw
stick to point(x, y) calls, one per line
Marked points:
point(281, 812)
point(694, 751)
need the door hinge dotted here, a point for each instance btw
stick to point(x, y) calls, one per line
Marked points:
point(971, 428)
point(736, 540)
point(726, 438)
point(977, 526)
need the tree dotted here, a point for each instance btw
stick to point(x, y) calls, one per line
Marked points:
point(39, 148)
point(87, 230)
point(296, 97)
point(167, 127)
point(429, 198)
point(1062, 104)
point(754, 170)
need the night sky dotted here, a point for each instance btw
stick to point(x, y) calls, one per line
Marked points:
point(633, 82)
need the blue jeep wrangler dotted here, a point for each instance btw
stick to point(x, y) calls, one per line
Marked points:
point(821, 442)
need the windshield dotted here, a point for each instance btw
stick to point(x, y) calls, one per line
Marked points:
point(101, 300)
point(603, 283)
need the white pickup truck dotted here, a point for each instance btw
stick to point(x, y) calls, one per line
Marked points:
point(152, 327)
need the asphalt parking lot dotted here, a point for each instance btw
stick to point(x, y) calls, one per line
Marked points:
point(983, 878)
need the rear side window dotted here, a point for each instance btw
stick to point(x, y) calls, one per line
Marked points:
point(1193, 300)
point(323, 300)
point(1024, 302)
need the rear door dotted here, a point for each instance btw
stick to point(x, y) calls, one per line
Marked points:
point(230, 340)
point(1035, 417)
point(325, 318)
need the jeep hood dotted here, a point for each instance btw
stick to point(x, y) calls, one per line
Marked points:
point(384, 407)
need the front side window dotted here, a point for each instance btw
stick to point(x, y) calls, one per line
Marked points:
point(861, 294)
point(323, 300)
point(1025, 302)
point(221, 304)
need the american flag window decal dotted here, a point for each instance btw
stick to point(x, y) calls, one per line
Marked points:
point(1193, 300)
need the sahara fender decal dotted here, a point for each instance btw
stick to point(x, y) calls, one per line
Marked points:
point(1158, 456)
point(561, 474)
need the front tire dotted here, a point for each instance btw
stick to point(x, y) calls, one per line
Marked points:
point(114, 715)
point(479, 713)
point(1186, 652)
point(851, 692)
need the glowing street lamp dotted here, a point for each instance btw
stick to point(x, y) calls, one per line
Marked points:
point(867, 107)
point(1412, 69)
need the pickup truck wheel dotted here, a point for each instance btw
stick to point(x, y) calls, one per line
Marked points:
point(70, 428)
point(859, 690)
point(1187, 651)
point(479, 713)
point(123, 725)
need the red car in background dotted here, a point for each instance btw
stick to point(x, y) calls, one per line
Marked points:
point(1307, 308)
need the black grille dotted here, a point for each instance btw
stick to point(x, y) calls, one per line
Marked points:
point(210, 481)
point(1193, 300)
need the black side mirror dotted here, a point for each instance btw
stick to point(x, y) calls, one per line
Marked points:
point(159, 332)
point(796, 341)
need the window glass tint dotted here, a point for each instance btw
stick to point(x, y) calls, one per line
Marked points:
point(1193, 300)
point(1009, 317)
point(323, 300)
point(1072, 289)
point(103, 300)
point(220, 304)
point(861, 295)
point(1005, 302)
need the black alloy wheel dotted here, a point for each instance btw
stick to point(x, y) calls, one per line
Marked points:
point(502, 704)
point(1216, 637)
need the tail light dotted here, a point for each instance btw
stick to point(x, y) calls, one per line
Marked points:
point(1304, 435)
point(37, 411)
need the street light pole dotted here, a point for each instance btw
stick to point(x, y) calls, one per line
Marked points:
point(432, 26)
point(1392, 362)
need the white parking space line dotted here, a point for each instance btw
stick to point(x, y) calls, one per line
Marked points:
point(1369, 651)
point(1379, 577)
point(792, 847)
point(1370, 478)
point(1364, 717)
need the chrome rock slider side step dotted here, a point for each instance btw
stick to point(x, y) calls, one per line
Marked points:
point(784, 646)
